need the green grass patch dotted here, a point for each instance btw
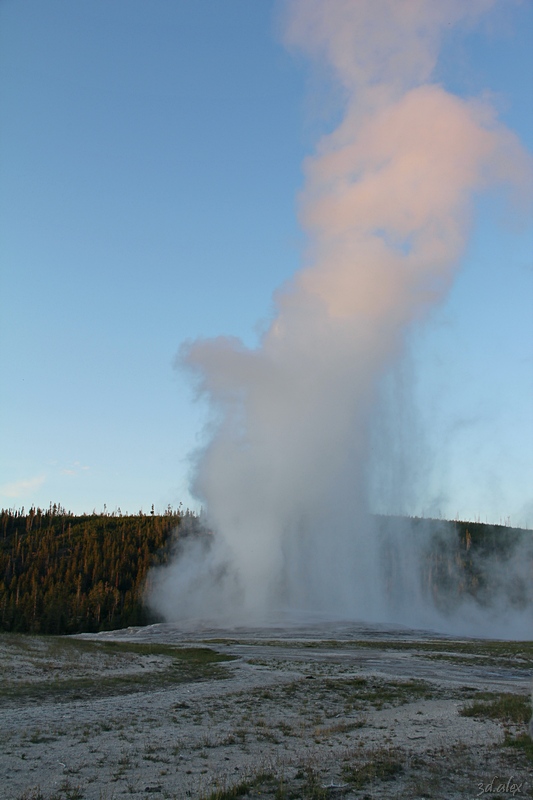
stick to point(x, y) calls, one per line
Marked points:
point(523, 743)
point(359, 692)
point(385, 765)
point(505, 707)
point(58, 668)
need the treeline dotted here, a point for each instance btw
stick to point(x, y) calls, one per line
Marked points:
point(492, 565)
point(61, 573)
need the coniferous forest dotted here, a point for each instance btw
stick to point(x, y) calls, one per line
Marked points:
point(61, 573)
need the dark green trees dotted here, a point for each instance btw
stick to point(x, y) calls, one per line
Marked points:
point(61, 573)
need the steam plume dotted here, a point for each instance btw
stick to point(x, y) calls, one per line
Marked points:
point(386, 208)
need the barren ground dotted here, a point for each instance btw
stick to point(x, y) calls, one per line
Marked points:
point(338, 711)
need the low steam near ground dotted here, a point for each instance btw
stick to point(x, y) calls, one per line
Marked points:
point(424, 580)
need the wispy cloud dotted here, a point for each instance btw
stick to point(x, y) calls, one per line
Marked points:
point(74, 469)
point(18, 488)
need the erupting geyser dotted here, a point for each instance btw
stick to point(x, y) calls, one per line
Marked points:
point(285, 478)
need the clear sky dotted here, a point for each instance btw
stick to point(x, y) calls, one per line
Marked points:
point(151, 156)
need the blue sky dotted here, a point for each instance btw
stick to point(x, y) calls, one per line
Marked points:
point(151, 155)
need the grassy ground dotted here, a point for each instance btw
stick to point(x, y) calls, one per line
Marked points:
point(280, 728)
point(512, 655)
point(510, 709)
point(63, 669)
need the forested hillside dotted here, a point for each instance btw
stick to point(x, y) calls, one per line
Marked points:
point(491, 565)
point(61, 573)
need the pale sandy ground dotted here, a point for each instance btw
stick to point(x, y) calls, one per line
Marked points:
point(291, 717)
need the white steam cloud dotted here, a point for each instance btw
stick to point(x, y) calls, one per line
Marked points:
point(388, 196)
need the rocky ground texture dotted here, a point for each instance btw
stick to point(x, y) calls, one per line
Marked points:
point(329, 711)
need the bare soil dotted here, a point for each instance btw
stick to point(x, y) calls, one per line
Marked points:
point(309, 711)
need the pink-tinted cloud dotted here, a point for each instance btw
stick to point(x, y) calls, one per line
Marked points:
point(372, 44)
